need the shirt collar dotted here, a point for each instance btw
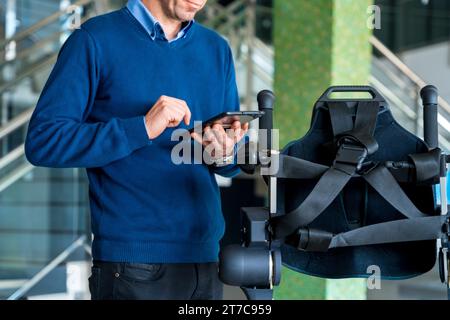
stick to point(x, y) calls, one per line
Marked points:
point(150, 24)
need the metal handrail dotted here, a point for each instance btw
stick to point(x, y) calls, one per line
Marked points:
point(443, 103)
point(397, 62)
point(80, 242)
point(25, 116)
point(15, 175)
point(15, 123)
point(408, 111)
point(15, 154)
point(226, 12)
point(12, 156)
point(401, 66)
point(38, 45)
point(262, 46)
point(33, 69)
point(42, 23)
point(266, 76)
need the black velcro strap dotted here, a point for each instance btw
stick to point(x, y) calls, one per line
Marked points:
point(427, 164)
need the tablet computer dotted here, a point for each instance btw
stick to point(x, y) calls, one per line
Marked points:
point(226, 119)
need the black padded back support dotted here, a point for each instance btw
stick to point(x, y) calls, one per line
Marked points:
point(357, 205)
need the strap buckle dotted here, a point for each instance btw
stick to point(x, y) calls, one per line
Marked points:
point(313, 240)
point(350, 153)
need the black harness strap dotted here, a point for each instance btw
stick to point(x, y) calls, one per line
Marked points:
point(354, 146)
point(348, 161)
point(405, 230)
point(417, 229)
point(326, 190)
point(341, 117)
point(296, 168)
point(418, 226)
point(366, 117)
point(421, 168)
point(385, 184)
point(365, 123)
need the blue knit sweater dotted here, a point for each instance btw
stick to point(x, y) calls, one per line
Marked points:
point(144, 208)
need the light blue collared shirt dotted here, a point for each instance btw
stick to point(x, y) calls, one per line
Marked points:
point(150, 24)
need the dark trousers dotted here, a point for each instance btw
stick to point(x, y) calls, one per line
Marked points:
point(136, 281)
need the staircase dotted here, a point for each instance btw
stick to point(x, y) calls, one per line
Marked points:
point(44, 212)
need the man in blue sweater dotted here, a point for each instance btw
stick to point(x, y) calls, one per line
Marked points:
point(122, 84)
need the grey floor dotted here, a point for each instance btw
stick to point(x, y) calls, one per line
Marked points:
point(233, 293)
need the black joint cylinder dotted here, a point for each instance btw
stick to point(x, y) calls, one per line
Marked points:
point(245, 267)
point(266, 100)
point(429, 95)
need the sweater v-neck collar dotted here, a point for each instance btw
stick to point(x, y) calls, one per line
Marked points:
point(158, 41)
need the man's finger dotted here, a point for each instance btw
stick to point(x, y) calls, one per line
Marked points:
point(197, 137)
point(234, 130)
point(243, 131)
point(236, 125)
point(220, 133)
point(180, 105)
point(188, 114)
point(175, 116)
point(208, 134)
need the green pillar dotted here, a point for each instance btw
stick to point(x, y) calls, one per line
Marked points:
point(318, 43)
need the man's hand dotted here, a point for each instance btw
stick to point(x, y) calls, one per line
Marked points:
point(218, 142)
point(167, 112)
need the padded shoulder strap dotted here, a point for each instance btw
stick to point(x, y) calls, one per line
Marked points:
point(341, 117)
point(365, 123)
point(348, 161)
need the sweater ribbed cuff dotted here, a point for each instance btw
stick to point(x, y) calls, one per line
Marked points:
point(136, 132)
